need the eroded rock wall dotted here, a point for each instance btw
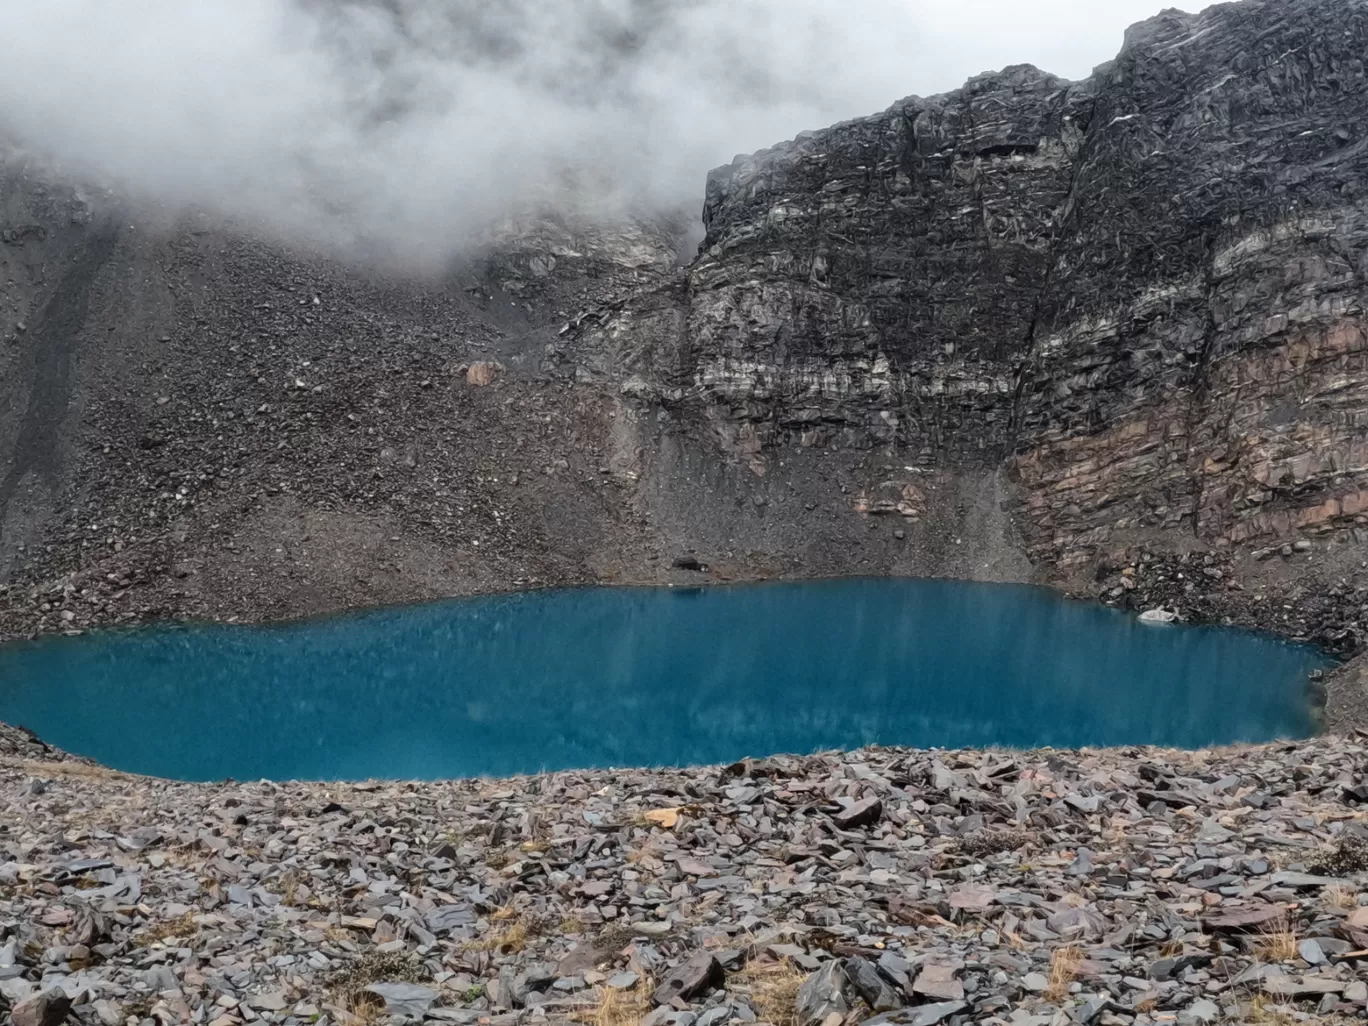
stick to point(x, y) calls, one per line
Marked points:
point(1141, 295)
point(1107, 334)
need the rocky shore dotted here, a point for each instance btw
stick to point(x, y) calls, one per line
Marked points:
point(889, 886)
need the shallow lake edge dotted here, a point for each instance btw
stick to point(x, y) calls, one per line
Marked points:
point(1321, 685)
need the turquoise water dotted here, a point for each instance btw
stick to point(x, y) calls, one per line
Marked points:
point(642, 677)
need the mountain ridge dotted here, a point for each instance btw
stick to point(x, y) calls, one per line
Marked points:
point(1106, 335)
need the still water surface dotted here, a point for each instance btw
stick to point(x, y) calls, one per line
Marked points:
point(642, 677)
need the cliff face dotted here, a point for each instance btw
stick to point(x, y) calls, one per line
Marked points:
point(1107, 334)
point(1140, 296)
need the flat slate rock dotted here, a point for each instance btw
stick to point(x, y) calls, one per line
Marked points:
point(858, 814)
point(405, 1000)
point(921, 1015)
point(699, 974)
point(1251, 918)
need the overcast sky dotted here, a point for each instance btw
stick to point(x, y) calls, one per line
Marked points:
point(412, 126)
point(1067, 37)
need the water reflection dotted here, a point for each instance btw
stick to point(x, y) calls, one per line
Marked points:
point(606, 677)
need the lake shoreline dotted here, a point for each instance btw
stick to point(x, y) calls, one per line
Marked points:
point(600, 677)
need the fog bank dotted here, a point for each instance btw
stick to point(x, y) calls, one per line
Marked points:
point(410, 127)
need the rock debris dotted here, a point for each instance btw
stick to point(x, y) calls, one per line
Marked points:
point(883, 886)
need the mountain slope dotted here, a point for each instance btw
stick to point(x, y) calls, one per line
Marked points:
point(1108, 335)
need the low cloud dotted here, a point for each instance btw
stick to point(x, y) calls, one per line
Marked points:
point(411, 127)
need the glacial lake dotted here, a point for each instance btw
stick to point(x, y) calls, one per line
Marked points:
point(604, 677)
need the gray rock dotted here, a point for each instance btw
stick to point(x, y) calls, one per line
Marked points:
point(896, 970)
point(1199, 1013)
point(269, 1001)
point(700, 974)
point(871, 986)
point(1303, 881)
point(1172, 968)
point(652, 929)
point(921, 1015)
point(854, 815)
point(1245, 919)
point(1299, 988)
point(446, 918)
point(404, 1000)
point(1083, 803)
point(160, 979)
point(823, 993)
point(937, 980)
point(1035, 982)
point(1311, 952)
point(459, 1016)
point(1094, 1006)
point(537, 976)
point(667, 1016)
point(46, 1008)
point(15, 989)
point(1082, 864)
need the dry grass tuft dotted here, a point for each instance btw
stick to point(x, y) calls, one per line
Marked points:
point(1340, 896)
point(1063, 971)
point(1276, 944)
point(773, 989)
point(72, 768)
point(1266, 1011)
point(287, 887)
point(508, 941)
point(365, 1009)
point(182, 926)
point(618, 1007)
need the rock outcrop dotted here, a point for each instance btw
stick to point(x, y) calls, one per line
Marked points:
point(1107, 334)
point(1141, 296)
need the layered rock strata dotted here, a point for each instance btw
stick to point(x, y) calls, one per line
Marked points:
point(1140, 296)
